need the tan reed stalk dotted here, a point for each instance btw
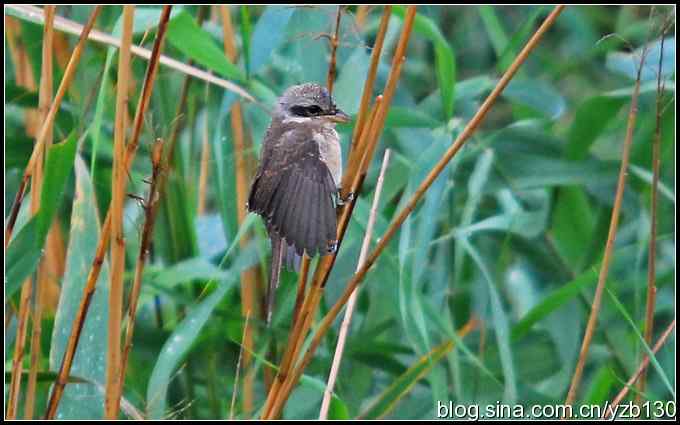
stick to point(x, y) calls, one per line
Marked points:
point(19, 346)
point(249, 299)
point(330, 79)
point(150, 209)
point(302, 288)
point(651, 256)
point(609, 247)
point(118, 180)
point(344, 327)
point(23, 71)
point(367, 93)
point(205, 162)
point(45, 98)
point(362, 13)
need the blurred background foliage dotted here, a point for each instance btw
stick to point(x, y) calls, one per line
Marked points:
point(511, 233)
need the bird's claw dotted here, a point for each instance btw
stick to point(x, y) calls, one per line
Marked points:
point(342, 201)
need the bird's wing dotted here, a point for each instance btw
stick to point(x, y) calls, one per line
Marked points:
point(294, 192)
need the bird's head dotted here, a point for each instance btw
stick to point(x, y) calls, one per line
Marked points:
point(310, 103)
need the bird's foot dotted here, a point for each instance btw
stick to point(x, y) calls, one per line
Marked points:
point(342, 201)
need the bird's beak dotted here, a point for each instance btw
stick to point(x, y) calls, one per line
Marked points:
point(339, 116)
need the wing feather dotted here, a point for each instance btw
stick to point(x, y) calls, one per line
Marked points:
point(293, 191)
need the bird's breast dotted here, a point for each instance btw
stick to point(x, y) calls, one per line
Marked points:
point(330, 153)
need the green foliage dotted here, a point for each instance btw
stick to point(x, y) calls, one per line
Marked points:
point(89, 361)
point(26, 248)
point(511, 234)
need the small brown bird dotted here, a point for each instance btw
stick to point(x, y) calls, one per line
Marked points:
point(296, 187)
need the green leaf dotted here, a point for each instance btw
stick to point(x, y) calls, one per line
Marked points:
point(224, 166)
point(399, 116)
point(175, 230)
point(20, 96)
point(573, 226)
point(554, 301)
point(389, 398)
point(445, 63)
point(511, 47)
point(600, 387)
point(627, 63)
point(638, 334)
point(196, 268)
point(46, 377)
point(493, 26)
point(187, 37)
point(25, 250)
point(349, 84)
point(182, 338)
point(145, 19)
point(445, 326)
point(82, 400)
point(591, 118)
point(500, 325)
point(18, 149)
point(177, 346)
point(246, 30)
point(445, 59)
point(269, 33)
point(538, 95)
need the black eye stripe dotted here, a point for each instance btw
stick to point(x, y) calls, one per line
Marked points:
point(306, 111)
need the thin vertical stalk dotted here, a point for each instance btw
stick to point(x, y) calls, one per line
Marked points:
point(367, 93)
point(249, 302)
point(332, 65)
point(118, 180)
point(651, 259)
point(362, 13)
point(19, 346)
point(150, 209)
point(238, 369)
point(302, 287)
point(205, 161)
point(23, 71)
point(45, 98)
point(344, 327)
point(609, 247)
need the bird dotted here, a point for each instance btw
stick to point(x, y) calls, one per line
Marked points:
point(296, 188)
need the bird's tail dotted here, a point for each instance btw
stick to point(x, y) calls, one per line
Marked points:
point(277, 259)
point(291, 259)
